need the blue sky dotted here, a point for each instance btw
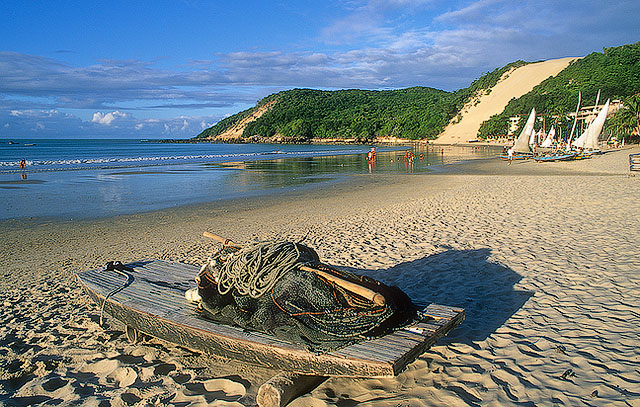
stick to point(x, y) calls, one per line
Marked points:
point(168, 69)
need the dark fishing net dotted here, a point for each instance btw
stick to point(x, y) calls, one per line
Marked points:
point(263, 288)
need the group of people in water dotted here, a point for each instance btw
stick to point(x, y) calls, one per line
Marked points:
point(409, 158)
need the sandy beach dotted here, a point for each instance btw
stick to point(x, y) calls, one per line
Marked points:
point(543, 257)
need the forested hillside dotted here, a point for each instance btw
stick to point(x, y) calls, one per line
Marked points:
point(304, 114)
point(615, 72)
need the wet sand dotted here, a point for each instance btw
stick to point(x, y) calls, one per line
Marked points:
point(543, 256)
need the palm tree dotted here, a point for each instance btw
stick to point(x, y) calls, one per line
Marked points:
point(633, 104)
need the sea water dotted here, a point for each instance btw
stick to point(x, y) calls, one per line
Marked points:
point(80, 179)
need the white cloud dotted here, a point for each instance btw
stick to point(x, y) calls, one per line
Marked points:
point(205, 125)
point(52, 123)
point(108, 118)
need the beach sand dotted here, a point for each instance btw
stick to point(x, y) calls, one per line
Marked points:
point(543, 257)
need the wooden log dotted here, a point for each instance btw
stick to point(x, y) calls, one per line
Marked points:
point(282, 388)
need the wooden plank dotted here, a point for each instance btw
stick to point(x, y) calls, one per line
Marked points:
point(161, 302)
point(370, 351)
point(154, 303)
point(385, 349)
point(397, 340)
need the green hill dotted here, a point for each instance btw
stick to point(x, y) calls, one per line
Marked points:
point(299, 115)
point(304, 114)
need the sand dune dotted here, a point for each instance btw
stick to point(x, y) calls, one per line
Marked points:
point(513, 84)
point(544, 258)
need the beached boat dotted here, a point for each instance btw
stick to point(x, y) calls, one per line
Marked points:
point(521, 145)
point(556, 157)
point(148, 297)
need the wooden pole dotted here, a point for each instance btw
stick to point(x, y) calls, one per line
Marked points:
point(364, 292)
point(218, 238)
point(357, 289)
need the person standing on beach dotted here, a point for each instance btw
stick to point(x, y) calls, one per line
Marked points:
point(510, 155)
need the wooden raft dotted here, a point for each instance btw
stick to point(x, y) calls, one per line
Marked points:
point(151, 300)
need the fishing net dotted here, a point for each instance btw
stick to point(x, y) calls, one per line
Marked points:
point(282, 288)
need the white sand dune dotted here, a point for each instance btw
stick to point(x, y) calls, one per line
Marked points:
point(543, 257)
point(513, 84)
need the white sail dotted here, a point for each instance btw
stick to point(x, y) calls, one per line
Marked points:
point(522, 142)
point(532, 138)
point(579, 142)
point(548, 142)
point(595, 128)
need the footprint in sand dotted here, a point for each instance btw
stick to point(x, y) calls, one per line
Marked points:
point(124, 376)
point(218, 390)
point(232, 390)
point(54, 384)
point(164, 369)
point(181, 378)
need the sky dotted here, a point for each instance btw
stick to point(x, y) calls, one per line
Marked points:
point(169, 69)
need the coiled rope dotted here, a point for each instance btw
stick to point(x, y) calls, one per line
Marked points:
point(254, 270)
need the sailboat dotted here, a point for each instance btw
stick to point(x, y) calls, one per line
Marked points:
point(567, 154)
point(521, 146)
point(588, 141)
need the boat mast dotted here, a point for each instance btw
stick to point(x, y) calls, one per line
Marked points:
point(575, 121)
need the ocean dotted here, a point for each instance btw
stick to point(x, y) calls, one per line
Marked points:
point(82, 179)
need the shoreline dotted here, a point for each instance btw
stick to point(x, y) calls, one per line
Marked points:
point(542, 255)
point(93, 193)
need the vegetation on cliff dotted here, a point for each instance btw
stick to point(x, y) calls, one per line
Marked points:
point(615, 72)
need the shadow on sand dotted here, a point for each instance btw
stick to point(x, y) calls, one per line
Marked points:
point(463, 278)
